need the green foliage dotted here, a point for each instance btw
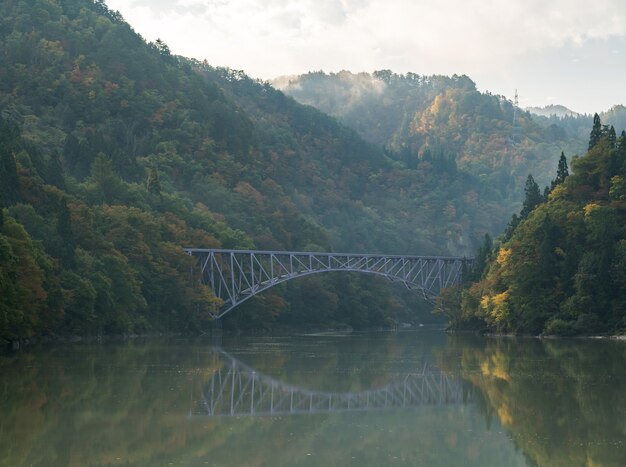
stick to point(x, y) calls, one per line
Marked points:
point(532, 197)
point(560, 270)
point(409, 114)
point(596, 132)
point(482, 258)
point(153, 184)
point(9, 143)
point(562, 172)
point(89, 109)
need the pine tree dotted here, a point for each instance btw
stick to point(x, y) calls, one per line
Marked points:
point(562, 172)
point(65, 231)
point(482, 257)
point(154, 184)
point(596, 132)
point(532, 198)
point(107, 182)
point(54, 172)
point(72, 153)
point(9, 180)
point(611, 137)
point(510, 228)
point(620, 153)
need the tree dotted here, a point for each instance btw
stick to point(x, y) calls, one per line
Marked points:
point(532, 198)
point(9, 181)
point(107, 183)
point(620, 152)
point(482, 257)
point(510, 228)
point(64, 229)
point(596, 131)
point(611, 136)
point(561, 172)
point(54, 172)
point(154, 184)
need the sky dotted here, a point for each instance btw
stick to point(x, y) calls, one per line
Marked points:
point(568, 52)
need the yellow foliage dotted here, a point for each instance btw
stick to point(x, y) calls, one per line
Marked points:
point(557, 192)
point(436, 105)
point(589, 208)
point(484, 302)
point(505, 415)
point(485, 370)
point(496, 367)
point(500, 298)
point(499, 309)
point(503, 256)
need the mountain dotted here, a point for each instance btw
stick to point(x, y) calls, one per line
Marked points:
point(577, 125)
point(115, 154)
point(561, 269)
point(416, 116)
point(557, 110)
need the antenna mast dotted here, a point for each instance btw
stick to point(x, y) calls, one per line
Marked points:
point(514, 128)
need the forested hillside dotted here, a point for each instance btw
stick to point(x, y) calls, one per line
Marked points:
point(443, 119)
point(115, 154)
point(577, 125)
point(562, 266)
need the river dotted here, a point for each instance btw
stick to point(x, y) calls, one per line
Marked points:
point(365, 399)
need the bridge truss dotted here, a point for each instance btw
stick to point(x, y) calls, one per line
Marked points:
point(237, 275)
point(238, 390)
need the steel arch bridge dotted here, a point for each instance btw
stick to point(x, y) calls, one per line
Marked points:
point(237, 275)
point(236, 389)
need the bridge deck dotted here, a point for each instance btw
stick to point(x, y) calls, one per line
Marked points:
point(237, 275)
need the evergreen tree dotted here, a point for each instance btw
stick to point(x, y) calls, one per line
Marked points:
point(1, 211)
point(510, 228)
point(611, 137)
point(64, 229)
point(596, 131)
point(620, 152)
point(532, 197)
point(154, 184)
point(54, 173)
point(9, 181)
point(562, 172)
point(107, 183)
point(482, 257)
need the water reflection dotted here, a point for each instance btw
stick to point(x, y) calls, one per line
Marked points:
point(235, 389)
point(483, 402)
point(562, 401)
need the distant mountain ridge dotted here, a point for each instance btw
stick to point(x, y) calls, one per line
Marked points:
point(553, 109)
point(416, 116)
point(115, 153)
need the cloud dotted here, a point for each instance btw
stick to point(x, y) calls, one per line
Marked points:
point(268, 38)
point(459, 31)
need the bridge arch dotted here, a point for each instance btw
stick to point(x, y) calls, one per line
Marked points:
point(237, 275)
point(236, 389)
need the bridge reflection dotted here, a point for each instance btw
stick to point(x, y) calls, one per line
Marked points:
point(236, 389)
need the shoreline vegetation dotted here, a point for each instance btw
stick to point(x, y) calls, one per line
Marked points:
point(115, 153)
point(559, 269)
point(11, 346)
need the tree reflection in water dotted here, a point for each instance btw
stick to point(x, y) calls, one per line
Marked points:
point(519, 402)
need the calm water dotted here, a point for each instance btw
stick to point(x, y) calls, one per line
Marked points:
point(406, 398)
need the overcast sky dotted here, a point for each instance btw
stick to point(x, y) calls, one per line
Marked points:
point(570, 52)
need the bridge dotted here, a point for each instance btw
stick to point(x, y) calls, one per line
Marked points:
point(237, 275)
point(236, 389)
